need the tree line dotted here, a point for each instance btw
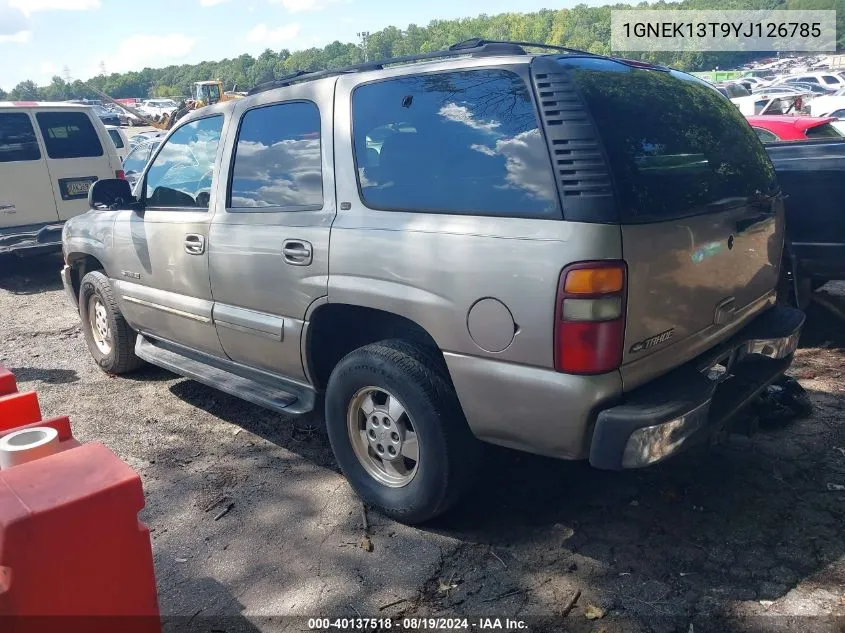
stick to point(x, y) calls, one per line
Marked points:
point(581, 27)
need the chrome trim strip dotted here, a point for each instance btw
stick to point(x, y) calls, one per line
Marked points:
point(249, 321)
point(158, 306)
point(247, 330)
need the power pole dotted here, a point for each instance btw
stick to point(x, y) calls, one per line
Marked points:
point(365, 36)
point(66, 73)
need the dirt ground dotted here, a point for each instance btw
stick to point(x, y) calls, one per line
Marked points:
point(747, 536)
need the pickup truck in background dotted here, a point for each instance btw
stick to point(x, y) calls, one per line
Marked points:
point(812, 175)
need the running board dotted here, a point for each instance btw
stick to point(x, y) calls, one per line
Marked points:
point(265, 390)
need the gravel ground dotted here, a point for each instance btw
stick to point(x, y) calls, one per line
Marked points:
point(745, 536)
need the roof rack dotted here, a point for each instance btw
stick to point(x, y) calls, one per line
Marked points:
point(475, 47)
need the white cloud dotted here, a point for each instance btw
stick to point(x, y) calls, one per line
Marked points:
point(21, 37)
point(28, 7)
point(269, 37)
point(462, 114)
point(139, 50)
point(300, 6)
point(14, 26)
point(211, 3)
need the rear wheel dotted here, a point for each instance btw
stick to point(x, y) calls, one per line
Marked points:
point(109, 338)
point(398, 432)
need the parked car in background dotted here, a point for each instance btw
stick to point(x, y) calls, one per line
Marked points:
point(108, 118)
point(298, 266)
point(137, 159)
point(120, 140)
point(771, 127)
point(812, 174)
point(157, 107)
point(125, 117)
point(815, 90)
point(143, 137)
point(50, 153)
point(827, 79)
point(732, 90)
point(766, 103)
point(824, 105)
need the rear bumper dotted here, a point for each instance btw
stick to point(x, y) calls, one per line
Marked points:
point(687, 405)
point(31, 239)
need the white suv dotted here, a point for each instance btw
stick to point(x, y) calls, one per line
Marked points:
point(50, 153)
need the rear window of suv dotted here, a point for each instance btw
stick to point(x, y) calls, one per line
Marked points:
point(674, 144)
point(464, 142)
point(823, 131)
point(69, 135)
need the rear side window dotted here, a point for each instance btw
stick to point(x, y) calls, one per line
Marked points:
point(277, 159)
point(765, 135)
point(115, 136)
point(462, 142)
point(69, 135)
point(17, 138)
point(830, 79)
point(674, 145)
point(823, 131)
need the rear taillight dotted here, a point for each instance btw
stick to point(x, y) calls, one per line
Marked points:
point(590, 317)
point(120, 174)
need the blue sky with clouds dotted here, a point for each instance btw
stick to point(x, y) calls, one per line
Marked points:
point(38, 38)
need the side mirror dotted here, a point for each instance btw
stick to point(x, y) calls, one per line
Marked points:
point(111, 193)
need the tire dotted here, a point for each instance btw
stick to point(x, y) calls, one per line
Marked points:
point(447, 451)
point(115, 354)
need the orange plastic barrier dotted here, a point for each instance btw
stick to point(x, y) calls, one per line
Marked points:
point(73, 555)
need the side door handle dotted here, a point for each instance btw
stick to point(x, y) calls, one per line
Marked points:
point(194, 244)
point(297, 252)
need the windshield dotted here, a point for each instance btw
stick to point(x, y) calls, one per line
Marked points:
point(210, 93)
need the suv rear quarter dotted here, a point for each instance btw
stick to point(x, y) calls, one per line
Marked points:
point(471, 192)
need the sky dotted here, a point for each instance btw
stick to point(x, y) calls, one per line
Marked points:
point(41, 38)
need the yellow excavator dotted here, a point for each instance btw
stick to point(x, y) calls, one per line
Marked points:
point(205, 93)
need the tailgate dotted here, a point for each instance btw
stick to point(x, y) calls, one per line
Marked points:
point(697, 277)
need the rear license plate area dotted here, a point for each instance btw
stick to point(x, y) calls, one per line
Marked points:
point(75, 188)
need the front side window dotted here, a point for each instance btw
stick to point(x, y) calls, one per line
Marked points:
point(464, 142)
point(180, 176)
point(17, 138)
point(69, 135)
point(277, 159)
point(115, 137)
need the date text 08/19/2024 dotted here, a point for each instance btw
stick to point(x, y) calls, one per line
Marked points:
point(417, 624)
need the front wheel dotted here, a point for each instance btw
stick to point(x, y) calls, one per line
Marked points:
point(398, 432)
point(110, 339)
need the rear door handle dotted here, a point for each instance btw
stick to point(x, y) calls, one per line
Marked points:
point(194, 244)
point(297, 252)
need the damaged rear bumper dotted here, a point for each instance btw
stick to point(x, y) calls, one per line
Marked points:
point(692, 402)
